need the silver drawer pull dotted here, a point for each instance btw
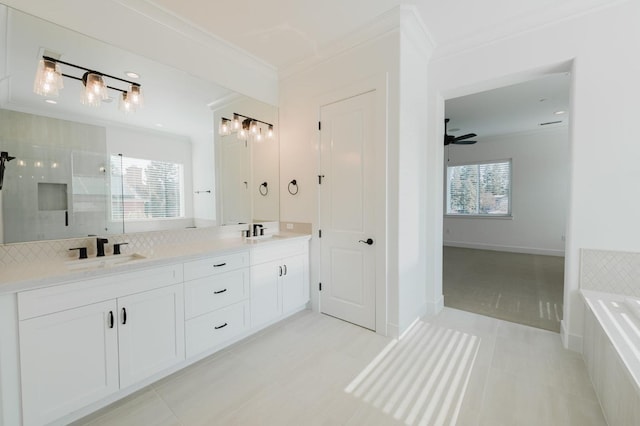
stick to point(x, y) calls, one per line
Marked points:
point(219, 265)
point(219, 291)
point(221, 326)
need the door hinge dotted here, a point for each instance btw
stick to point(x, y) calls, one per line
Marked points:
point(320, 286)
point(319, 125)
point(319, 233)
point(320, 177)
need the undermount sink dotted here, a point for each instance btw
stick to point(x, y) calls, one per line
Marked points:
point(103, 262)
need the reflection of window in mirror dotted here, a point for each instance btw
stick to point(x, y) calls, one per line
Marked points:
point(146, 189)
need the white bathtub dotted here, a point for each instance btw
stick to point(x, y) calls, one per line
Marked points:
point(612, 354)
point(619, 316)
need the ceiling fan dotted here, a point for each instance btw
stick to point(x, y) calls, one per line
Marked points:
point(457, 140)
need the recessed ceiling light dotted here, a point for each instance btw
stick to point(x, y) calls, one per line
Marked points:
point(455, 129)
point(560, 112)
point(51, 101)
point(132, 74)
point(159, 125)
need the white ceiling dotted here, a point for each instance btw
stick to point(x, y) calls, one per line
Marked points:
point(511, 109)
point(285, 32)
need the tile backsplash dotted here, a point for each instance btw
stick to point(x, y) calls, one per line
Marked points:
point(610, 271)
point(21, 253)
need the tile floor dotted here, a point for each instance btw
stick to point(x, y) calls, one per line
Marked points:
point(311, 369)
point(523, 288)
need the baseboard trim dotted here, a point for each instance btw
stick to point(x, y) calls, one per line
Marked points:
point(510, 249)
point(570, 341)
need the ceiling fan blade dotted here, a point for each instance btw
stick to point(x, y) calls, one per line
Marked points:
point(467, 136)
point(465, 142)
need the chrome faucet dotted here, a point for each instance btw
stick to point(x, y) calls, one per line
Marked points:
point(101, 242)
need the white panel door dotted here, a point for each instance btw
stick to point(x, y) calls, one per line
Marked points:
point(347, 216)
point(68, 360)
point(151, 332)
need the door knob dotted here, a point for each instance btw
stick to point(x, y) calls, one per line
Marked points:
point(368, 241)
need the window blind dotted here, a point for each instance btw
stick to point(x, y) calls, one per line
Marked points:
point(479, 189)
point(146, 189)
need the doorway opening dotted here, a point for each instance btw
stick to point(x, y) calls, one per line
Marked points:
point(505, 201)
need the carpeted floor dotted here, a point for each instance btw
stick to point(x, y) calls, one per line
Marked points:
point(523, 288)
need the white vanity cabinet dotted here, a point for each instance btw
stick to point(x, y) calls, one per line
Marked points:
point(216, 301)
point(279, 280)
point(110, 333)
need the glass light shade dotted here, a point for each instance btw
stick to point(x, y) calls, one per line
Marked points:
point(254, 128)
point(258, 137)
point(135, 95)
point(125, 103)
point(225, 127)
point(48, 81)
point(270, 134)
point(243, 134)
point(95, 91)
point(236, 124)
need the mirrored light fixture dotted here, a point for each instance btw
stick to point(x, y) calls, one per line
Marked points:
point(246, 128)
point(225, 127)
point(48, 82)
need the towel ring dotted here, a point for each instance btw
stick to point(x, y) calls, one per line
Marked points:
point(293, 184)
point(266, 189)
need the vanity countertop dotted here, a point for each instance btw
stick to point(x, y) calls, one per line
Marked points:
point(28, 276)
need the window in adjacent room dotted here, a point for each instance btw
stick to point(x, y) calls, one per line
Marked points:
point(146, 189)
point(479, 189)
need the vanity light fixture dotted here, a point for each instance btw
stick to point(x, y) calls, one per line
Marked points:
point(48, 82)
point(246, 128)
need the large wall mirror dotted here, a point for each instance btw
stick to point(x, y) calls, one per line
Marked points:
point(80, 170)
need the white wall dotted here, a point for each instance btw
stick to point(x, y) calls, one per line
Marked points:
point(300, 100)
point(400, 58)
point(539, 194)
point(603, 114)
point(413, 262)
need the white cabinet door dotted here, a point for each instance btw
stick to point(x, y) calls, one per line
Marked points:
point(151, 332)
point(68, 359)
point(295, 282)
point(265, 293)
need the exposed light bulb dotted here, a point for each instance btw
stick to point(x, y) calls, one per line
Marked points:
point(225, 127)
point(254, 128)
point(258, 136)
point(95, 89)
point(270, 134)
point(48, 81)
point(236, 124)
point(135, 94)
point(125, 103)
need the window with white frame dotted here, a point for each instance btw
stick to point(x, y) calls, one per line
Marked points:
point(479, 189)
point(146, 189)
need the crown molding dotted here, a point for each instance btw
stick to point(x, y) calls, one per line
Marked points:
point(384, 24)
point(413, 27)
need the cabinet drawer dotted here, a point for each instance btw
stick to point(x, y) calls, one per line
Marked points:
point(214, 292)
point(213, 329)
point(215, 265)
point(276, 251)
point(58, 298)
